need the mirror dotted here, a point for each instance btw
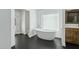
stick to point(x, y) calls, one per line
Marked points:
point(72, 17)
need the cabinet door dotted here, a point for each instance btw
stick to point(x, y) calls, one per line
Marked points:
point(70, 35)
point(77, 36)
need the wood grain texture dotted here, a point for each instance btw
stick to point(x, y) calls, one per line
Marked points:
point(72, 35)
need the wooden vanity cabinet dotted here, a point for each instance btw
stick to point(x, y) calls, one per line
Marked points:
point(72, 35)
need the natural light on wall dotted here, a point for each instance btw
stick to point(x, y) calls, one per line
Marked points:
point(50, 21)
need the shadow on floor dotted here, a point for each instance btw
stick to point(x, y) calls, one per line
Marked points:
point(24, 42)
point(71, 46)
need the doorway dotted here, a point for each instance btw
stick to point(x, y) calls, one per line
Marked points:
point(19, 23)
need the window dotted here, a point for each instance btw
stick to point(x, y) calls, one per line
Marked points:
point(50, 21)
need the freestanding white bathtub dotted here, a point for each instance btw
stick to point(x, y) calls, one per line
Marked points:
point(46, 34)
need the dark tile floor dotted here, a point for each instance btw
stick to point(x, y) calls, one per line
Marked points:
point(71, 46)
point(24, 42)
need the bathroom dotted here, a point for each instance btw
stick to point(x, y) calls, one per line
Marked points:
point(38, 28)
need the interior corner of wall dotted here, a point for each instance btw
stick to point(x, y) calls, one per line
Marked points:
point(31, 33)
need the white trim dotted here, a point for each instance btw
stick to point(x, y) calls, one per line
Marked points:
point(12, 27)
point(63, 43)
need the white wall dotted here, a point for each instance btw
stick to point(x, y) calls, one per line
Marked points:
point(32, 22)
point(27, 21)
point(22, 21)
point(12, 27)
point(5, 28)
point(62, 27)
point(18, 21)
